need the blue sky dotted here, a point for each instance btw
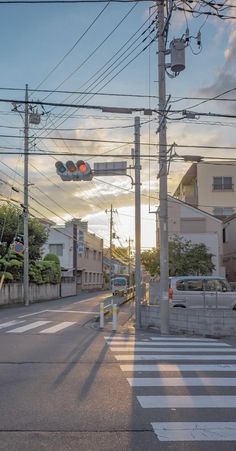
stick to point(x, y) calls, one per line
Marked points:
point(36, 37)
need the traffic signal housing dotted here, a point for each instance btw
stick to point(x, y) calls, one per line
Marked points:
point(80, 171)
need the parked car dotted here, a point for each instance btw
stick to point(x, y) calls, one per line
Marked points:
point(201, 292)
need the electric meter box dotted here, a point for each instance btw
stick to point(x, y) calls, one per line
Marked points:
point(177, 54)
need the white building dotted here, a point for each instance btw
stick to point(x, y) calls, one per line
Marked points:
point(197, 226)
point(210, 186)
point(80, 253)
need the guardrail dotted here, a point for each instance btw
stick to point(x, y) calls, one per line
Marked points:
point(106, 309)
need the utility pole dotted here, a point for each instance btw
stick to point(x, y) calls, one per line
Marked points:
point(129, 255)
point(26, 200)
point(137, 222)
point(111, 211)
point(163, 209)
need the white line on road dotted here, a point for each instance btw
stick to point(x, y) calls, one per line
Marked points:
point(182, 339)
point(217, 431)
point(175, 345)
point(187, 402)
point(73, 311)
point(179, 368)
point(32, 314)
point(183, 349)
point(58, 327)
point(182, 381)
point(27, 327)
point(174, 357)
point(10, 323)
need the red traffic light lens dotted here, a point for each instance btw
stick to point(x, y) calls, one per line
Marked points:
point(83, 167)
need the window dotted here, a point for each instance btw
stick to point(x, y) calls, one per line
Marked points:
point(86, 252)
point(222, 183)
point(94, 255)
point(217, 285)
point(189, 285)
point(224, 235)
point(56, 249)
point(99, 255)
point(97, 278)
point(223, 211)
point(85, 277)
point(94, 277)
point(90, 277)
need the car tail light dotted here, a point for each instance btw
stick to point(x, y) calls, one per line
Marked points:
point(170, 293)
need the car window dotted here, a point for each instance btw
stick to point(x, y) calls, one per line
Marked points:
point(216, 285)
point(194, 285)
point(180, 285)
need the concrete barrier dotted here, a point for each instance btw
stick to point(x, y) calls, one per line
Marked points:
point(212, 322)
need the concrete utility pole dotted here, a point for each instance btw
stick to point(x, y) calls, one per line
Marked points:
point(163, 209)
point(26, 200)
point(137, 222)
point(111, 211)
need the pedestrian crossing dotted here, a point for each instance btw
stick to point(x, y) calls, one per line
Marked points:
point(22, 326)
point(189, 379)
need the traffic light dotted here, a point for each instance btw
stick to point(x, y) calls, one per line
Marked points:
point(62, 171)
point(74, 171)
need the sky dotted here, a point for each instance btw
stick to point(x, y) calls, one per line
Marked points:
point(83, 47)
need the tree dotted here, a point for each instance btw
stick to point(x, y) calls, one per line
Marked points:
point(11, 223)
point(185, 258)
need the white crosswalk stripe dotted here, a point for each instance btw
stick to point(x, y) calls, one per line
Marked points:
point(10, 323)
point(53, 329)
point(169, 363)
point(20, 330)
point(57, 328)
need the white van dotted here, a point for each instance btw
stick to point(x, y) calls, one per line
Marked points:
point(201, 292)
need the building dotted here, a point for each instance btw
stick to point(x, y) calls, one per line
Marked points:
point(229, 247)
point(197, 226)
point(80, 253)
point(210, 187)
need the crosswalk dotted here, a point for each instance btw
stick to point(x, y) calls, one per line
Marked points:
point(188, 379)
point(22, 326)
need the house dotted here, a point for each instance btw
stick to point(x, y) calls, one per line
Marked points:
point(80, 253)
point(198, 226)
point(210, 187)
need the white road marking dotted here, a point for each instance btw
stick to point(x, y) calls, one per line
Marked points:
point(182, 339)
point(10, 323)
point(73, 311)
point(217, 431)
point(174, 357)
point(178, 367)
point(175, 345)
point(147, 349)
point(182, 381)
point(21, 329)
point(187, 402)
point(32, 314)
point(58, 327)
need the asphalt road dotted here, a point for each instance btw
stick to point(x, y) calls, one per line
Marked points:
point(65, 385)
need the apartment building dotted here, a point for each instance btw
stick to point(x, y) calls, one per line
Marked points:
point(197, 226)
point(80, 253)
point(229, 247)
point(210, 186)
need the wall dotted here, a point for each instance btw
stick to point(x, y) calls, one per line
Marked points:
point(215, 323)
point(206, 196)
point(12, 293)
